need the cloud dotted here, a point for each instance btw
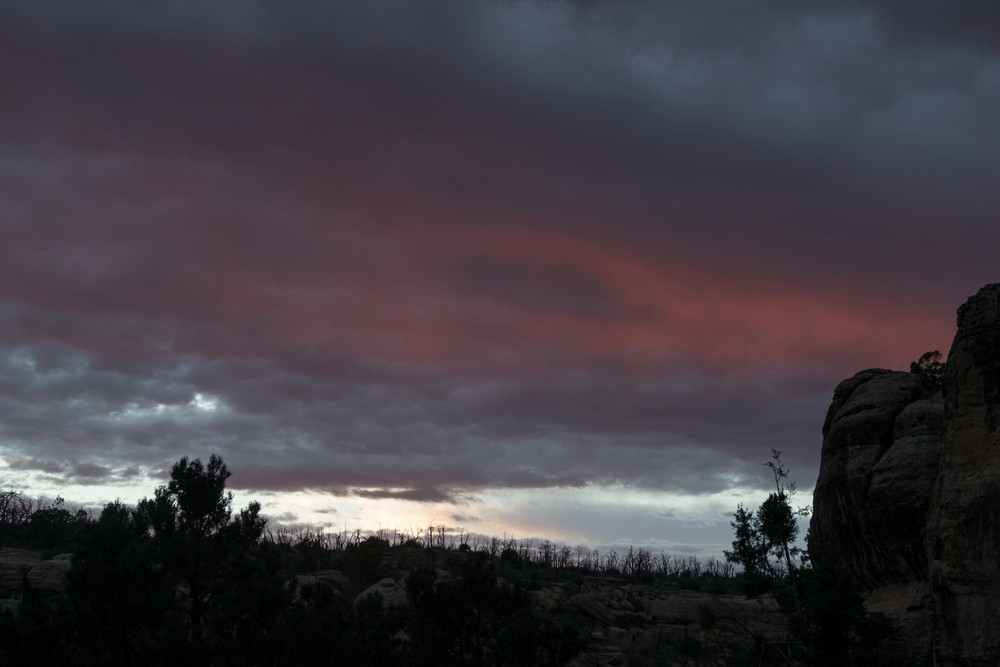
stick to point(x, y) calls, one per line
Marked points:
point(41, 466)
point(422, 252)
point(419, 495)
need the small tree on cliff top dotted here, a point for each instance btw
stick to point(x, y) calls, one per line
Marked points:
point(930, 369)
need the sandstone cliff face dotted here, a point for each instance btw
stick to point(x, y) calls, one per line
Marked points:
point(908, 496)
point(964, 528)
point(881, 444)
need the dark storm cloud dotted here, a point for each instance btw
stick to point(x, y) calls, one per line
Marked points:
point(41, 466)
point(777, 107)
point(420, 495)
point(419, 250)
point(347, 438)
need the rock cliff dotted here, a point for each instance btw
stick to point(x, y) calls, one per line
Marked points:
point(908, 495)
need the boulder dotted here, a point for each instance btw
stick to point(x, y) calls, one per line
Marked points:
point(49, 576)
point(334, 579)
point(392, 592)
point(547, 600)
point(14, 567)
point(594, 608)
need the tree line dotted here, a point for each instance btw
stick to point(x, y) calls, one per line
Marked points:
point(185, 578)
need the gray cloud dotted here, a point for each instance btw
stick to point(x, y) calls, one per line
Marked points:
point(422, 251)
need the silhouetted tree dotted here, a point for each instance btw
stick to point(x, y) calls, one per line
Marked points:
point(116, 591)
point(182, 579)
point(831, 624)
point(194, 535)
point(930, 369)
point(827, 622)
point(765, 544)
point(476, 618)
point(52, 527)
point(15, 509)
point(361, 560)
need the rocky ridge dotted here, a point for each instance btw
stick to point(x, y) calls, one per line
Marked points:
point(908, 495)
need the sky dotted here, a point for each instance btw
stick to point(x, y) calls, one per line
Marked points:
point(552, 269)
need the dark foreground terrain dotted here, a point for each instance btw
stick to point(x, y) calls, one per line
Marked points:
point(119, 598)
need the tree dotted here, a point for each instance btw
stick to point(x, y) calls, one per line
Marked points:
point(116, 591)
point(827, 622)
point(930, 369)
point(53, 527)
point(15, 509)
point(191, 526)
point(765, 544)
point(475, 617)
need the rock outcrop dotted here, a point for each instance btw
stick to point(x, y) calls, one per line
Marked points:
point(908, 495)
point(49, 576)
point(25, 572)
point(642, 624)
point(964, 528)
point(391, 592)
point(873, 493)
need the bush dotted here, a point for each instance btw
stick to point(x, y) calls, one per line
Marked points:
point(930, 369)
